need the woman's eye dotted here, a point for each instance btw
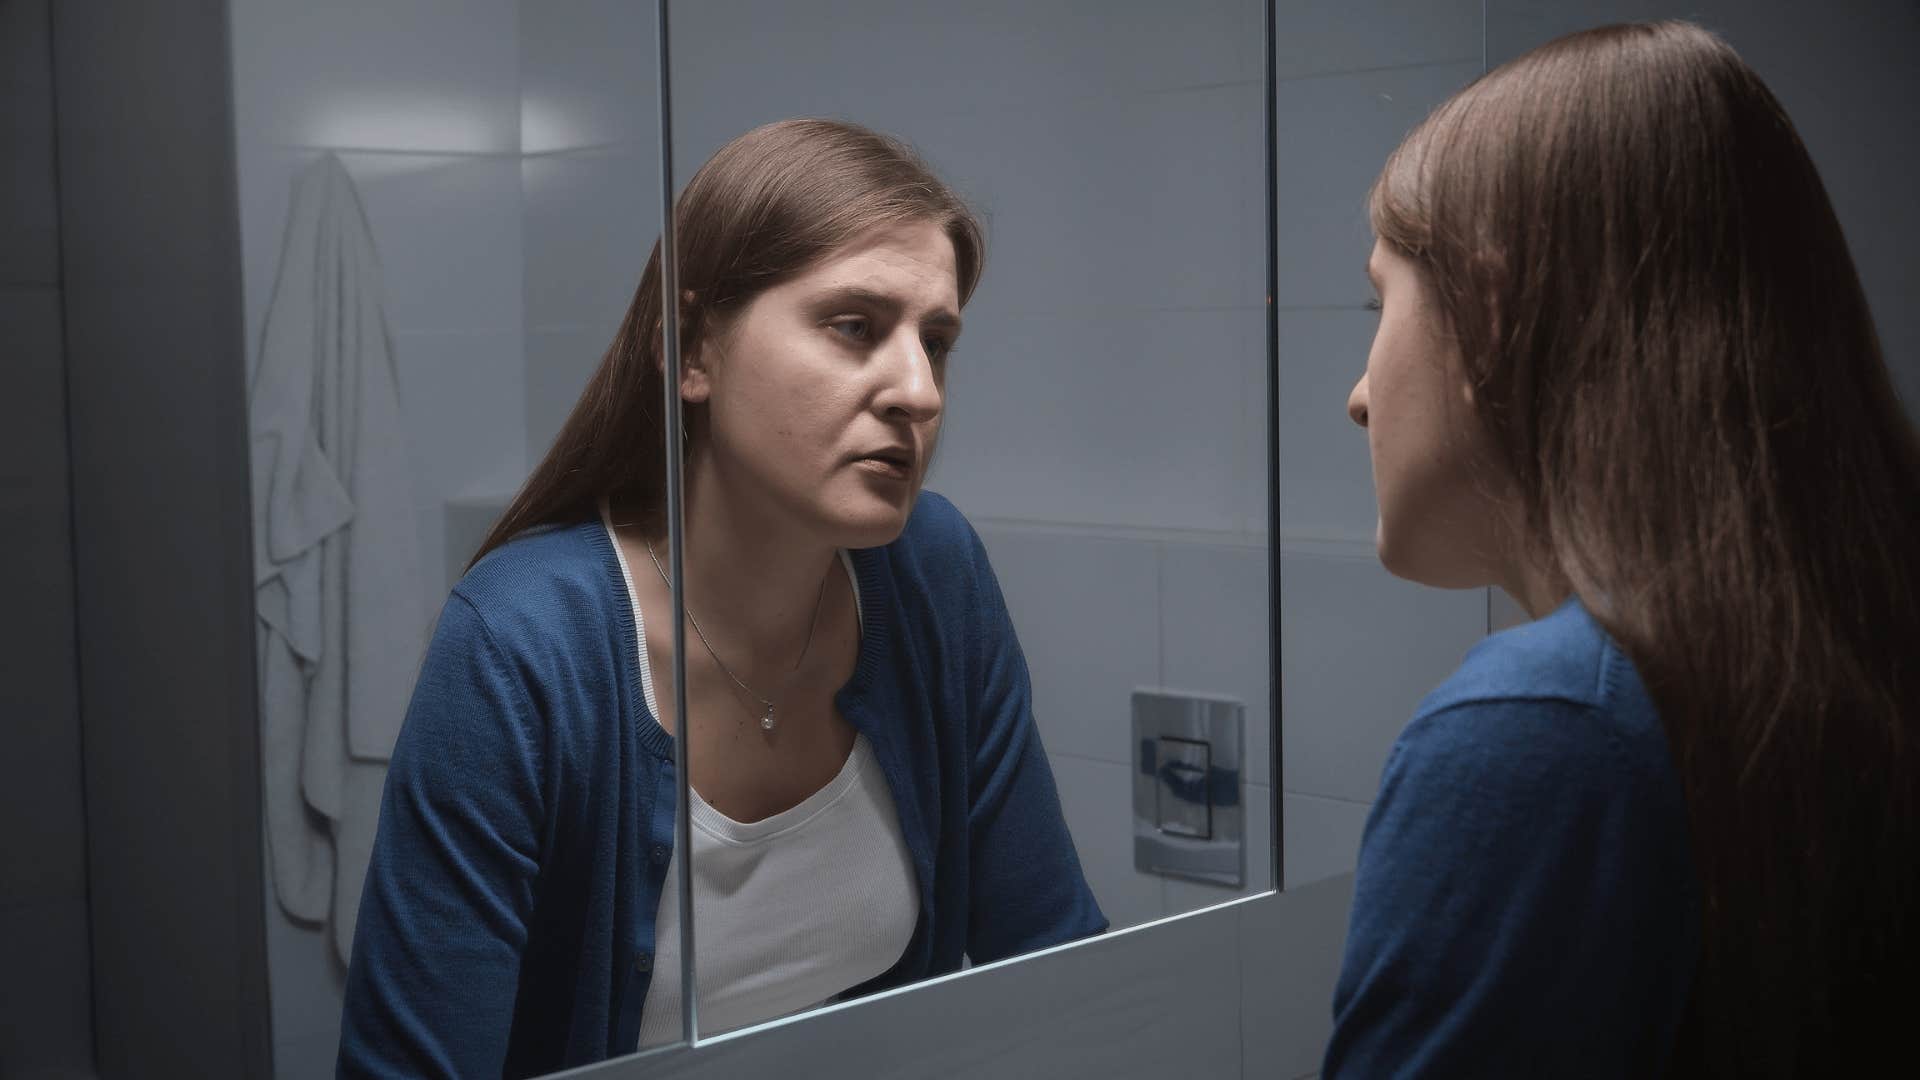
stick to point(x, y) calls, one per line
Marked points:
point(938, 348)
point(1373, 304)
point(852, 329)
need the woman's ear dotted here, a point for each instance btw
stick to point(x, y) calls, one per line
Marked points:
point(696, 376)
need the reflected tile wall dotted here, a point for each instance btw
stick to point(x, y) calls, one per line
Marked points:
point(423, 104)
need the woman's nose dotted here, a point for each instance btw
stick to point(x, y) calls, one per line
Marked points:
point(912, 390)
point(1357, 402)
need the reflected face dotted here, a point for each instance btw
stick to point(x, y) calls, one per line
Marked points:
point(824, 396)
point(1439, 522)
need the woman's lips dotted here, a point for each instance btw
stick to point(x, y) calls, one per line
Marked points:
point(883, 467)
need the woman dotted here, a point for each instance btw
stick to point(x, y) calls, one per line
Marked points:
point(871, 802)
point(1625, 371)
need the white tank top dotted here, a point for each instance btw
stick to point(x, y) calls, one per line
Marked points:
point(793, 909)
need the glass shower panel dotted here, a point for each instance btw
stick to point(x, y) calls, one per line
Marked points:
point(446, 209)
point(986, 663)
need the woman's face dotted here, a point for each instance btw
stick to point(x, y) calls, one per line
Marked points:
point(1439, 523)
point(824, 395)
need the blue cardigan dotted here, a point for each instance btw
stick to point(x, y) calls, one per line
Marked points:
point(1525, 903)
point(507, 922)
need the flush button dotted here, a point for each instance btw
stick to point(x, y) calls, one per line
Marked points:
point(1189, 816)
point(1182, 802)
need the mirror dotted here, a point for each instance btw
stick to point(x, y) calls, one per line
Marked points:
point(444, 212)
point(969, 617)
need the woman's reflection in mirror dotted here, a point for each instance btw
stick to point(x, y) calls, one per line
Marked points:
point(871, 801)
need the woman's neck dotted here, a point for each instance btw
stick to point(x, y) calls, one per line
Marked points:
point(752, 577)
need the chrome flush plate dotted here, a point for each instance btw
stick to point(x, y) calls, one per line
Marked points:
point(1189, 816)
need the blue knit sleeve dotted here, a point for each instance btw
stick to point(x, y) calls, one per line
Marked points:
point(1027, 888)
point(1521, 904)
point(444, 913)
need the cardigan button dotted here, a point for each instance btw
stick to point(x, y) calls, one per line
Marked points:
point(642, 962)
point(660, 854)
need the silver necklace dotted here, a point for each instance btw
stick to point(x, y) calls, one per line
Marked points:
point(766, 717)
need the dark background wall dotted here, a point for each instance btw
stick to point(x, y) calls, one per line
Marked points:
point(1848, 77)
point(44, 959)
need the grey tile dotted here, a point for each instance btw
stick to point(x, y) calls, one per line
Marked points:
point(1325, 470)
point(1097, 799)
point(1137, 201)
point(310, 1057)
point(560, 360)
point(1216, 635)
point(1290, 959)
point(1085, 611)
point(468, 521)
point(462, 395)
point(1322, 837)
point(1163, 1002)
point(734, 55)
point(1359, 650)
point(1099, 418)
point(1314, 38)
point(306, 983)
point(448, 231)
point(592, 219)
point(1503, 612)
point(435, 76)
point(1333, 135)
point(44, 990)
point(588, 75)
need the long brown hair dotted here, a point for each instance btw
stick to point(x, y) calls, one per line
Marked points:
point(765, 207)
point(1671, 351)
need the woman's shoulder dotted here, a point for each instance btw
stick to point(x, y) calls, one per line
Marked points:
point(938, 552)
point(936, 525)
point(1555, 690)
point(545, 583)
point(1564, 656)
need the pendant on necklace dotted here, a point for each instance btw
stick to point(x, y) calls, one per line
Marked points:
point(766, 722)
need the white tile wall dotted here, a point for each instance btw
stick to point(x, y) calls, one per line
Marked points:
point(591, 220)
point(1215, 635)
point(449, 235)
point(1322, 837)
point(1138, 201)
point(1116, 418)
point(307, 993)
point(464, 399)
point(1086, 612)
point(588, 74)
point(1326, 472)
point(1096, 798)
point(423, 103)
point(559, 362)
point(1332, 135)
point(432, 75)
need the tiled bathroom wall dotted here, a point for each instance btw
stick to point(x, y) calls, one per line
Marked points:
point(422, 103)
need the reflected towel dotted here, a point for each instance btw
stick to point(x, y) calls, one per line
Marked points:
point(337, 587)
